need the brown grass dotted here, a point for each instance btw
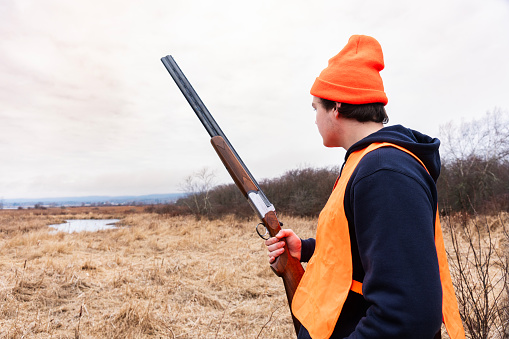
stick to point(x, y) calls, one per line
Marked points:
point(156, 277)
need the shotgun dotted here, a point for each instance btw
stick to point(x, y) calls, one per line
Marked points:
point(285, 266)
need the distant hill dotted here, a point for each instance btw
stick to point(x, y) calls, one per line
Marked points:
point(94, 200)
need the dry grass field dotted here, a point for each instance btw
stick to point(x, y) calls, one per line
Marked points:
point(155, 277)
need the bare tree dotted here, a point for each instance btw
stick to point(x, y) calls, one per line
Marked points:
point(198, 186)
point(486, 138)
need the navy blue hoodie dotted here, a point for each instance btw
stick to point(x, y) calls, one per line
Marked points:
point(390, 203)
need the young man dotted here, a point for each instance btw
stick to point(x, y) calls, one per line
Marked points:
point(378, 268)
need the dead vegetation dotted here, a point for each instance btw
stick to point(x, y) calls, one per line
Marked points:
point(173, 277)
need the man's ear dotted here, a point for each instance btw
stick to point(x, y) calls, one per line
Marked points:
point(336, 109)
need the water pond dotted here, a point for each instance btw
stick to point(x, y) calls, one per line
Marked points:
point(85, 225)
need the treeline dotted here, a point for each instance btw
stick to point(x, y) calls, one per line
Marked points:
point(299, 192)
point(474, 185)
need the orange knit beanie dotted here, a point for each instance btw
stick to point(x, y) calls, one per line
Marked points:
point(353, 75)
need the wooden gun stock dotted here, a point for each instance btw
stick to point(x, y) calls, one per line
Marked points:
point(287, 267)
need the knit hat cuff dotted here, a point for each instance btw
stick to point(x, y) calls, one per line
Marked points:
point(347, 95)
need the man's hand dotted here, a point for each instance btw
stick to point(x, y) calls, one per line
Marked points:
point(275, 245)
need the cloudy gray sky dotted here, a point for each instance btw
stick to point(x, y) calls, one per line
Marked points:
point(87, 108)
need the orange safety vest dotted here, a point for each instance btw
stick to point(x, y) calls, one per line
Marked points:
point(327, 281)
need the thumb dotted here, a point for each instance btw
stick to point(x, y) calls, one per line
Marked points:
point(283, 233)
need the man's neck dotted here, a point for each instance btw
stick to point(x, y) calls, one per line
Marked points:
point(357, 131)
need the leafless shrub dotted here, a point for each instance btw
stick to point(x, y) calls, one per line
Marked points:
point(170, 210)
point(479, 269)
point(504, 315)
point(302, 192)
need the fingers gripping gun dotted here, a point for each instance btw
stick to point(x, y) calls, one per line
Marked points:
point(285, 266)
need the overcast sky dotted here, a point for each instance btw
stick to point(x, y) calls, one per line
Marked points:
point(87, 107)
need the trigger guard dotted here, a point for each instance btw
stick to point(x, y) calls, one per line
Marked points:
point(264, 236)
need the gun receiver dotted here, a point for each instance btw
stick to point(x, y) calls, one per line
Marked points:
point(285, 266)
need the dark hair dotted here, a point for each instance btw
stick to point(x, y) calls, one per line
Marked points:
point(364, 112)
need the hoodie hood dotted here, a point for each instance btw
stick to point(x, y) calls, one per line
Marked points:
point(423, 146)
